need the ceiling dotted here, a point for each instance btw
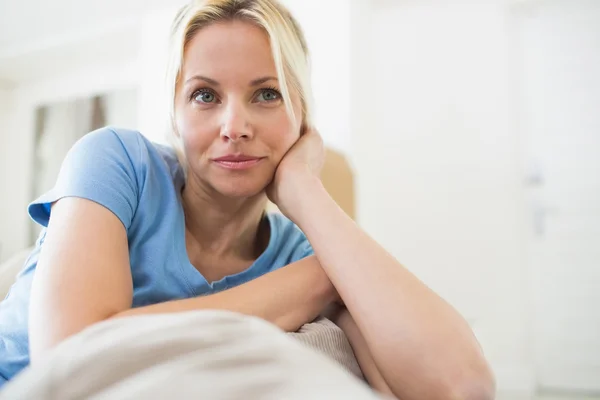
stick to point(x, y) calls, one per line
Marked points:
point(39, 38)
point(24, 24)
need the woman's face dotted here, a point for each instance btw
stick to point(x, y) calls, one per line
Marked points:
point(229, 111)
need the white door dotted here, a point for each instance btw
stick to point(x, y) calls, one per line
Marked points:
point(560, 75)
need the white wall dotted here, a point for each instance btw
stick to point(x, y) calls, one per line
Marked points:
point(121, 107)
point(438, 167)
point(152, 107)
point(327, 27)
point(7, 136)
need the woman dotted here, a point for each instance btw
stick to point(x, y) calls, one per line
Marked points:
point(135, 228)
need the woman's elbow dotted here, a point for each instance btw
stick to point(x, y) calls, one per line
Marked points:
point(480, 384)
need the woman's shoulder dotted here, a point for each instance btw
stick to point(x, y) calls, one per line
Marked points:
point(110, 138)
point(109, 166)
point(129, 143)
point(129, 149)
point(288, 241)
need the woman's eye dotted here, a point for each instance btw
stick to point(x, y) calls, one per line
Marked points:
point(204, 96)
point(268, 95)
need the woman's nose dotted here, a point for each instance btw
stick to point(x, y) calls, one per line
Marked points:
point(236, 125)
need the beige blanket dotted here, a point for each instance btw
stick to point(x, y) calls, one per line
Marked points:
point(327, 338)
point(203, 354)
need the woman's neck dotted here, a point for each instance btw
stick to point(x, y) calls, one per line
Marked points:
point(221, 226)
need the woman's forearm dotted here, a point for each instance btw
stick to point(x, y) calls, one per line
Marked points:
point(344, 320)
point(422, 346)
point(288, 297)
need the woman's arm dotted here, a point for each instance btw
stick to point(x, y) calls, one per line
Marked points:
point(342, 318)
point(423, 348)
point(288, 297)
point(83, 277)
point(421, 345)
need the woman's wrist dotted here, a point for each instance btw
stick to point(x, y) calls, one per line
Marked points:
point(305, 192)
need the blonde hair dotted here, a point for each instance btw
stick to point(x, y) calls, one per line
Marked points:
point(288, 47)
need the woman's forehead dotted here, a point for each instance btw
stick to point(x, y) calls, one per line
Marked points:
point(235, 51)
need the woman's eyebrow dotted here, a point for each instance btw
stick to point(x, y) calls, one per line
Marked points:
point(210, 81)
point(202, 78)
point(260, 81)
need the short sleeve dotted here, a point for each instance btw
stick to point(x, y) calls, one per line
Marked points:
point(101, 167)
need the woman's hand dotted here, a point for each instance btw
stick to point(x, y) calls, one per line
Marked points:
point(300, 167)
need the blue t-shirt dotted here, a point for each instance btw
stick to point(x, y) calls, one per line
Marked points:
point(140, 182)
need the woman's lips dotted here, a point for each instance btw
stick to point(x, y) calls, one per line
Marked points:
point(237, 162)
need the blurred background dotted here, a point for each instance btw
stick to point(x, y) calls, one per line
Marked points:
point(471, 128)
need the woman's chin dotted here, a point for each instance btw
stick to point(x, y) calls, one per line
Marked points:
point(241, 191)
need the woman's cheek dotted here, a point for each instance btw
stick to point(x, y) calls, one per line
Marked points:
point(194, 131)
point(283, 142)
